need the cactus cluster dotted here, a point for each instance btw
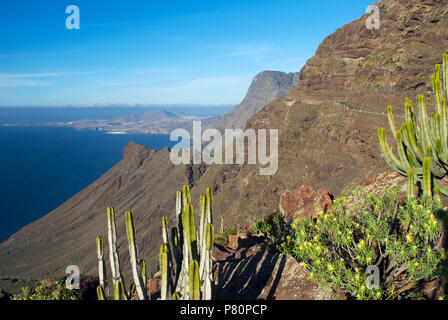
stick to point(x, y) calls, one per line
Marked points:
point(185, 258)
point(138, 286)
point(186, 262)
point(422, 144)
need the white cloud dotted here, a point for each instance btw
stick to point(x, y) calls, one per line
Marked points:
point(16, 83)
point(45, 74)
point(15, 80)
point(208, 90)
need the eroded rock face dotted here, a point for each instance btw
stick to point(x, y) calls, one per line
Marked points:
point(265, 87)
point(305, 202)
point(245, 271)
point(266, 276)
point(385, 64)
point(384, 180)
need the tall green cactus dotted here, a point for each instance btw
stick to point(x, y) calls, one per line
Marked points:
point(422, 144)
point(133, 255)
point(197, 245)
point(194, 281)
point(101, 264)
point(189, 274)
point(190, 231)
point(101, 293)
point(208, 267)
point(113, 252)
point(119, 292)
point(411, 192)
point(164, 270)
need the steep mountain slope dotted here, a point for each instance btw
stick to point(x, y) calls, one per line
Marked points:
point(265, 87)
point(323, 142)
point(141, 181)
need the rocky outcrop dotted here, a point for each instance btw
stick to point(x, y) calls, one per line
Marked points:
point(245, 271)
point(305, 202)
point(323, 142)
point(265, 87)
point(373, 68)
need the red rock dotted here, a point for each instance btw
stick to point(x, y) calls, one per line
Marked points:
point(220, 253)
point(233, 241)
point(303, 202)
point(154, 288)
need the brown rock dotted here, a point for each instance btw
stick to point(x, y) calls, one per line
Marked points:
point(381, 181)
point(233, 241)
point(304, 202)
point(4, 296)
point(267, 276)
point(434, 289)
point(220, 253)
point(154, 288)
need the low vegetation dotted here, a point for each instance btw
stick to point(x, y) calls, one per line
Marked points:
point(402, 238)
point(50, 290)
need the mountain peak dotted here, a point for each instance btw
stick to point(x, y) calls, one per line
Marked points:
point(266, 86)
point(135, 153)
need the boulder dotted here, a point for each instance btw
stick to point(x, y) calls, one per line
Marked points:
point(304, 202)
point(267, 276)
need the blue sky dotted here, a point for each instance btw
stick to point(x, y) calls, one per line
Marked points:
point(156, 52)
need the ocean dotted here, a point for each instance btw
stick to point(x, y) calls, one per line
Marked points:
point(42, 167)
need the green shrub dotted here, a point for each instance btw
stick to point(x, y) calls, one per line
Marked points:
point(274, 228)
point(223, 237)
point(46, 291)
point(402, 238)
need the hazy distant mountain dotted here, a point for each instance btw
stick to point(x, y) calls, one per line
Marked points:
point(150, 116)
point(265, 87)
point(150, 122)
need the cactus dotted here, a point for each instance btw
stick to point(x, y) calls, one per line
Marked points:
point(411, 193)
point(164, 270)
point(208, 272)
point(101, 293)
point(133, 255)
point(113, 252)
point(189, 244)
point(422, 144)
point(189, 274)
point(194, 281)
point(119, 292)
point(101, 265)
point(143, 271)
point(427, 177)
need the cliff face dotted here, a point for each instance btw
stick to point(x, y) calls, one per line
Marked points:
point(371, 68)
point(321, 142)
point(265, 87)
